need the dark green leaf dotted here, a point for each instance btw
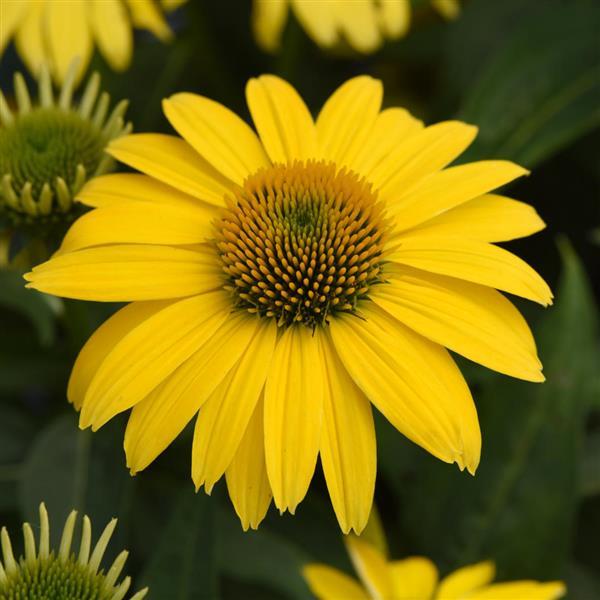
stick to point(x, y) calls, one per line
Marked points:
point(71, 469)
point(582, 583)
point(17, 430)
point(261, 557)
point(538, 90)
point(590, 466)
point(183, 566)
point(25, 372)
point(38, 308)
point(313, 529)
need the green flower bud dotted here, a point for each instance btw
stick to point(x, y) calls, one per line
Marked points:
point(43, 573)
point(49, 148)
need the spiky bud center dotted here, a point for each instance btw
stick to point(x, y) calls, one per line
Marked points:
point(52, 578)
point(48, 143)
point(301, 242)
point(49, 147)
point(42, 574)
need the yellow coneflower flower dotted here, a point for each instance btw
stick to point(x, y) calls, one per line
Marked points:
point(363, 24)
point(44, 573)
point(57, 31)
point(49, 147)
point(416, 578)
point(281, 282)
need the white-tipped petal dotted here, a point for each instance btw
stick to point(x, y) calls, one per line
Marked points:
point(45, 87)
point(7, 552)
point(115, 569)
point(86, 542)
point(67, 536)
point(89, 96)
point(100, 548)
point(122, 589)
point(44, 532)
point(29, 540)
point(22, 94)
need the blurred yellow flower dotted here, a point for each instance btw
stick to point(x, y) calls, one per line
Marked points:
point(416, 578)
point(281, 282)
point(363, 24)
point(47, 574)
point(58, 31)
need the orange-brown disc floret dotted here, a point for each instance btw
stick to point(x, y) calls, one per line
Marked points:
point(300, 242)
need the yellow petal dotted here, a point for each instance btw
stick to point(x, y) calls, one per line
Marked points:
point(472, 260)
point(218, 134)
point(519, 590)
point(327, 583)
point(118, 188)
point(174, 162)
point(449, 188)
point(30, 36)
point(374, 532)
point(413, 578)
point(103, 340)
point(347, 119)
point(68, 36)
point(489, 218)
point(357, 21)
point(318, 19)
point(281, 118)
point(470, 319)
point(134, 223)
point(293, 414)
point(392, 127)
point(348, 450)
point(371, 567)
point(13, 14)
point(161, 416)
point(145, 14)
point(420, 155)
point(247, 480)
point(394, 18)
point(268, 21)
point(110, 23)
point(465, 580)
point(149, 353)
point(413, 382)
point(125, 273)
point(223, 419)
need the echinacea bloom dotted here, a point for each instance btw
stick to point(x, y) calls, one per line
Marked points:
point(282, 280)
point(416, 578)
point(362, 24)
point(63, 573)
point(49, 147)
point(58, 31)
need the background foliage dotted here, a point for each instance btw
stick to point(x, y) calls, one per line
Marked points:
point(525, 71)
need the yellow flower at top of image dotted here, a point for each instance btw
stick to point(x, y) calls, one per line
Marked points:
point(57, 31)
point(363, 24)
point(416, 578)
point(282, 281)
point(47, 574)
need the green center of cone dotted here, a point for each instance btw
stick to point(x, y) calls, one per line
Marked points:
point(53, 579)
point(48, 143)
